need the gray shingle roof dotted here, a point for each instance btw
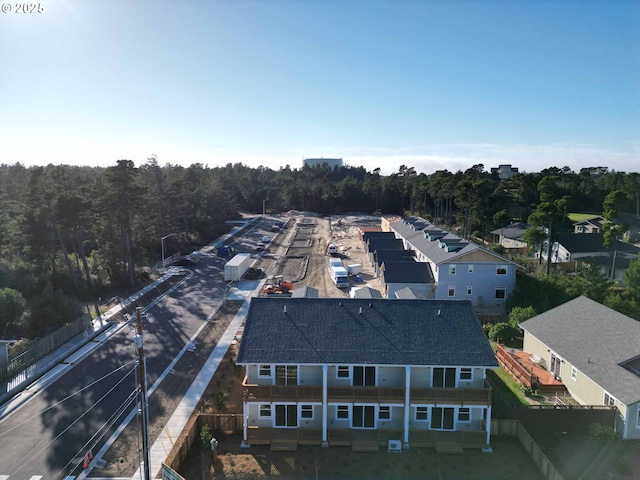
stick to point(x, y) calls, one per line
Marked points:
point(382, 256)
point(407, 272)
point(366, 292)
point(515, 231)
point(591, 243)
point(595, 339)
point(387, 332)
point(374, 244)
point(409, 293)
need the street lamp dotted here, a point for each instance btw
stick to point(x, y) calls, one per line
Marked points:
point(263, 205)
point(162, 245)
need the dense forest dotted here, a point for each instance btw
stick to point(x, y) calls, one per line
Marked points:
point(69, 235)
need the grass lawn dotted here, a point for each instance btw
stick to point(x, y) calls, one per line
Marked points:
point(579, 217)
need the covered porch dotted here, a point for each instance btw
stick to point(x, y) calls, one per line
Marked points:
point(364, 440)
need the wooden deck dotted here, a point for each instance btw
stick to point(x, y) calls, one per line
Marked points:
point(521, 367)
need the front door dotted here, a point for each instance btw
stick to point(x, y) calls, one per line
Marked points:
point(555, 365)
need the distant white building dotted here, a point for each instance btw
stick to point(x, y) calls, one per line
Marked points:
point(331, 162)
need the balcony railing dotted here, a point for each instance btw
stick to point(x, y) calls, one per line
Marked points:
point(418, 395)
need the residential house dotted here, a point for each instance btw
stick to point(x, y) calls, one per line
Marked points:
point(511, 236)
point(338, 371)
point(595, 351)
point(592, 225)
point(573, 249)
point(462, 270)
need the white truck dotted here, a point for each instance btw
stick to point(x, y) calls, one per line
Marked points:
point(338, 273)
point(235, 268)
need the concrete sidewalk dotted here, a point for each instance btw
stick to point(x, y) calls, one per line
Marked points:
point(30, 381)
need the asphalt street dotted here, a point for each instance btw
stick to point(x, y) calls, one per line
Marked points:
point(47, 436)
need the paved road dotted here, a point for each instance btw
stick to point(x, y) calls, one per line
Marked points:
point(45, 439)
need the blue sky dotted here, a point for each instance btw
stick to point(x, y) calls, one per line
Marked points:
point(428, 84)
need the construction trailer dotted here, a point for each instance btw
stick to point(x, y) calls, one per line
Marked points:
point(235, 268)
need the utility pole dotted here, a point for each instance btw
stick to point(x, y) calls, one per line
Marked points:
point(142, 392)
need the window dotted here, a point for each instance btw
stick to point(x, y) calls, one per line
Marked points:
point(464, 414)
point(342, 412)
point(286, 416)
point(343, 371)
point(364, 376)
point(466, 373)
point(265, 411)
point(452, 269)
point(452, 291)
point(363, 416)
point(384, 413)
point(574, 373)
point(609, 400)
point(501, 293)
point(468, 289)
point(444, 377)
point(638, 418)
point(470, 268)
point(501, 270)
point(422, 414)
point(286, 374)
point(306, 411)
point(265, 371)
point(442, 418)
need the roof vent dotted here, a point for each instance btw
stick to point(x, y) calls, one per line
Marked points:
point(438, 312)
point(360, 310)
point(340, 303)
point(371, 304)
point(285, 309)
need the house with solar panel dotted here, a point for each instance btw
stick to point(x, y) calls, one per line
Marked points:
point(365, 373)
point(461, 269)
point(595, 352)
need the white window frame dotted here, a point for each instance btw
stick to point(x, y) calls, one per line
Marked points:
point(500, 289)
point(574, 373)
point(262, 408)
point(386, 412)
point(612, 400)
point(343, 409)
point(500, 268)
point(462, 412)
point(286, 407)
point(452, 269)
point(306, 409)
point(421, 410)
point(341, 369)
point(262, 368)
point(451, 289)
point(466, 370)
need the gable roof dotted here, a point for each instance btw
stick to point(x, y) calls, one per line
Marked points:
point(407, 272)
point(365, 332)
point(408, 293)
point(514, 231)
point(596, 221)
point(306, 291)
point(591, 243)
point(365, 292)
point(595, 339)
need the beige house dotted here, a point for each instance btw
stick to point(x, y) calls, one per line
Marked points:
point(595, 352)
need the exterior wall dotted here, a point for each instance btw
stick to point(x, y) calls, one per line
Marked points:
point(512, 243)
point(632, 414)
point(420, 376)
point(310, 374)
point(483, 281)
point(391, 376)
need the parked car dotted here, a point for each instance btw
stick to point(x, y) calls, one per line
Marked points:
point(260, 247)
point(265, 238)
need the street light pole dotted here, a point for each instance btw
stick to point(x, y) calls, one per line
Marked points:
point(263, 205)
point(162, 246)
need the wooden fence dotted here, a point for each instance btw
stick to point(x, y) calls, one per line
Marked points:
point(42, 347)
point(231, 422)
point(515, 428)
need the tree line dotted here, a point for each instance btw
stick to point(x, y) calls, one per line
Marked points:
point(69, 234)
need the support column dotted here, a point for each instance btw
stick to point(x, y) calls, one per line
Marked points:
point(325, 439)
point(245, 426)
point(407, 402)
point(488, 448)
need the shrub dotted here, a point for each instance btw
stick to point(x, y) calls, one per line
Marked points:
point(502, 331)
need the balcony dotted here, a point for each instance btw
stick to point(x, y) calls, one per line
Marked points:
point(430, 396)
point(452, 396)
